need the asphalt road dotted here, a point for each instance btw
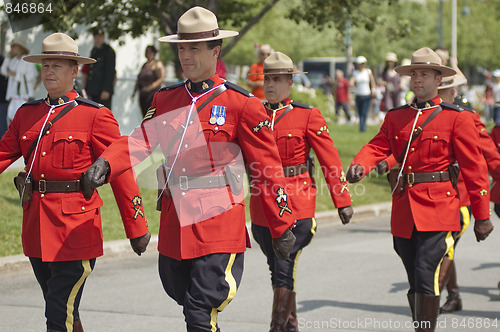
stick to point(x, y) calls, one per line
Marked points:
point(349, 279)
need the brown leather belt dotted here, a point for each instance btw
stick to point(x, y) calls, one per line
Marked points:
point(293, 170)
point(414, 178)
point(191, 182)
point(44, 186)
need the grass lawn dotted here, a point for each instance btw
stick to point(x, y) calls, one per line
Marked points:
point(348, 141)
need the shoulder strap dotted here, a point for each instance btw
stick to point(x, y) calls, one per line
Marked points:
point(288, 109)
point(65, 110)
point(419, 130)
point(181, 129)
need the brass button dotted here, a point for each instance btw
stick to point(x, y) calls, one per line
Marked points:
point(409, 167)
point(184, 170)
point(83, 208)
point(305, 182)
point(24, 137)
point(70, 137)
point(419, 112)
point(435, 137)
point(43, 154)
point(52, 112)
point(448, 193)
point(42, 176)
point(164, 123)
point(186, 146)
point(395, 137)
point(289, 135)
point(42, 195)
point(216, 128)
point(415, 130)
point(183, 193)
point(412, 149)
point(48, 132)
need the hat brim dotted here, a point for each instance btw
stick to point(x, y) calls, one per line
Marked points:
point(456, 82)
point(175, 38)
point(406, 70)
point(37, 58)
point(280, 73)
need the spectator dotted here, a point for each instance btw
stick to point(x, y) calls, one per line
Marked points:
point(300, 80)
point(342, 95)
point(22, 77)
point(489, 102)
point(496, 96)
point(392, 82)
point(99, 78)
point(3, 102)
point(256, 82)
point(363, 82)
point(149, 79)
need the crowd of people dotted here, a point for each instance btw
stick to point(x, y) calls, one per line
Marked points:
point(212, 134)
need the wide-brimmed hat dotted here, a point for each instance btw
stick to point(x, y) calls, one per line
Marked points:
point(20, 42)
point(279, 64)
point(59, 46)
point(196, 25)
point(453, 81)
point(496, 73)
point(425, 58)
point(391, 56)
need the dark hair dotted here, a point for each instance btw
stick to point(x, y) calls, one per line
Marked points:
point(152, 49)
point(97, 31)
point(211, 44)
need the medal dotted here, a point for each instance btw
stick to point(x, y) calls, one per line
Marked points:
point(212, 120)
point(221, 121)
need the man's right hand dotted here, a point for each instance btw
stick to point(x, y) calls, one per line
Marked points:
point(382, 167)
point(354, 173)
point(284, 244)
point(97, 173)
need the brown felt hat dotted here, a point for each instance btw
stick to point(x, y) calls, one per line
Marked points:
point(278, 64)
point(425, 58)
point(196, 25)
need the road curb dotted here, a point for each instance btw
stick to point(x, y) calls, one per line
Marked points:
point(121, 248)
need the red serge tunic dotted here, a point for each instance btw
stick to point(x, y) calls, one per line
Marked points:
point(299, 130)
point(451, 136)
point(495, 186)
point(197, 222)
point(65, 226)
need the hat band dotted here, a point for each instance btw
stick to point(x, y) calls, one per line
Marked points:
point(199, 35)
point(61, 53)
point(426, 63)
point(279, 71)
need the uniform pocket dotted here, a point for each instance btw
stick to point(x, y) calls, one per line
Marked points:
point(67, 146)
point(434, 145)
point(287, 141)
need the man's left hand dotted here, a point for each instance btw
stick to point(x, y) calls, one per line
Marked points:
point(482, 228)
point(140, 243)
point(97, 173)
point(284, 244)
point(345, 214)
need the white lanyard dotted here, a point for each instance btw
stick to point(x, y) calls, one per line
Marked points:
point(274, 114)
point(419, 111)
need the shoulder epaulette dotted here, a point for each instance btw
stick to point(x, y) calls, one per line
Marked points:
point(82, 100)
point(451, 106)
point(238, 88)
point(170, 87)
point(466, 108)
point(33, 102)
point(296, 103)
point(398, 108)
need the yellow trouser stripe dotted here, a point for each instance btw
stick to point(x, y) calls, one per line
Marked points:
point(313, 226)
point(465, 218)
point(232, 292)
point(449, 247)
point(70, 305)
point(313, 232)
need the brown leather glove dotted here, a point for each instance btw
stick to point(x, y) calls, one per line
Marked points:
point(354, 173)
point(284, 244)
point(140, 243)
point(97, 173)
point(482, 228)
point(345, 214)
point(382, 167)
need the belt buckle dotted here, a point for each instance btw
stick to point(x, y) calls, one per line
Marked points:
point(183, 182)
point(42, 186)
point(410, 179)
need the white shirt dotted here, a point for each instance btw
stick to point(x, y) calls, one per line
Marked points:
point(362, 82)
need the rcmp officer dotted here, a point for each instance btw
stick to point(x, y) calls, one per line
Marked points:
point(425, 209)
point(297, 128)
point(99, 77)
point(204, 126)
point(59, 138)
point(447, 272)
